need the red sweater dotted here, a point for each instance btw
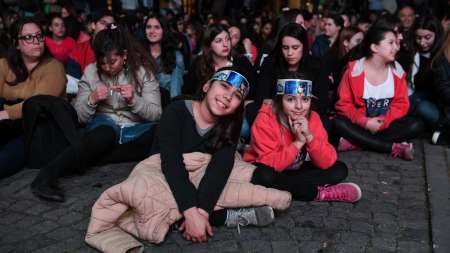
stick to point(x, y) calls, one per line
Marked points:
point(351, 89)
point(83, 54)
point(272, 142)
point(60, 50)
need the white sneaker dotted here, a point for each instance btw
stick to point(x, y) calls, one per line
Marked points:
point(257, 216)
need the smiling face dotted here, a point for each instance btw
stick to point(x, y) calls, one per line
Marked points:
point(221, 45)
point(296, 106)
point(425, 40)
point(292, 50)
point(31, 41)
point(153, 30)
point(386, 48)
point(111, 66)
point(221, 98)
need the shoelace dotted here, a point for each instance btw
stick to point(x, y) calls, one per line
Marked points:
point(396, 151)
point(241, 220)
point(332, 194)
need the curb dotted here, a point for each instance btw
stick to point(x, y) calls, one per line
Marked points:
point(437, 168)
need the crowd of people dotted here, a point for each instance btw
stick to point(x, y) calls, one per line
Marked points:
point(287, 92)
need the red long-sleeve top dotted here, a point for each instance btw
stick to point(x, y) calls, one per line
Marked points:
point(351, 104)
point(272, 142)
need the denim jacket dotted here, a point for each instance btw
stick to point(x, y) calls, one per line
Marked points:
point(172, 81)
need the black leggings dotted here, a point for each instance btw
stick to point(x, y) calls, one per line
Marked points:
point(400, 130)
point(98, 146)
point(301, 183)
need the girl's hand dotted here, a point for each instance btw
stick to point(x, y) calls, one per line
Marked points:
point(374, 124)
point(4, 115)
point(100, 93)
point(303, 125)
point(300, 139)
point(195, 226)
point(126, 91)
point(247, 45)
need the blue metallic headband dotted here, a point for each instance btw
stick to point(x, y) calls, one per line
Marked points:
point(234, 79)
point(294, 87)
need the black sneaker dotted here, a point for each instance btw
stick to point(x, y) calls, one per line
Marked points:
point(441, 138)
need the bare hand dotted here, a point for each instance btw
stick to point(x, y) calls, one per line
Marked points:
point(300, 139)
point(374, 124)
point(126, 91)
point(100, 93)
point(196, 226)
point(247, 45)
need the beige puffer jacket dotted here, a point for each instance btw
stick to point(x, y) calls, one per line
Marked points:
point(144, 206)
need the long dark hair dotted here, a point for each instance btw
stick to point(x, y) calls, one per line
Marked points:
point(14, 56)
point(117, 39)
point(432, 24)
point(277, 106)
point(227, 130)
point(168, 46)
point(298, 32)
point(205, 68)
point(374, 36)
point(338, 50)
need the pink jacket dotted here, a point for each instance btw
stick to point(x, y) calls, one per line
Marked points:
point(143, 205)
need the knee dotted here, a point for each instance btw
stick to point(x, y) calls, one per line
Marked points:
point(340, 123)
point(416, 126)
point(264, 175)
point(102, 134)
point(340, 172)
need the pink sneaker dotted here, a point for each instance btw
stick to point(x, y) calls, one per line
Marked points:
point(344, 192)
point(345, 145)
point(403, 150)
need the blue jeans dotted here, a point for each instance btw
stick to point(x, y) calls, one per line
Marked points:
point(421, 106)
point(124, 133)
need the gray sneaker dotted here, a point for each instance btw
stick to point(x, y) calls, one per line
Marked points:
point(257, 216)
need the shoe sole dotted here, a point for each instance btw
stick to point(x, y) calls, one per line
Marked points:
point(435, 137)
point(264, 215)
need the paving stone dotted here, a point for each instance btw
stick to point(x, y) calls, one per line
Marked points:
point(392, 215)
point(383, 243)
point(256, 246)
point(301, 234)
point(362, 227)
point(7, 248)
point(412, 247)
point(223, 246)
point(285, 247)
point(63, 233)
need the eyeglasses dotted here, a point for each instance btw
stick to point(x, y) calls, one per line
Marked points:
point(29, 38)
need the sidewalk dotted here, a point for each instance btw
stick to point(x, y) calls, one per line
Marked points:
point(392, 216)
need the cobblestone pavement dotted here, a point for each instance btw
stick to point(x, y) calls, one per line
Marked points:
point(392, 216)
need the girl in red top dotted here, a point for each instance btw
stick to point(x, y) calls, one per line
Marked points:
point(58, 43)
point(373, 100)
point(289, 145)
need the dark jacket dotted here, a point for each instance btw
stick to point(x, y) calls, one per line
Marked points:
point(320, 46)
point(441, 71)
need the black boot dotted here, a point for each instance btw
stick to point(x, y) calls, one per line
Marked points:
point(47, 192)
